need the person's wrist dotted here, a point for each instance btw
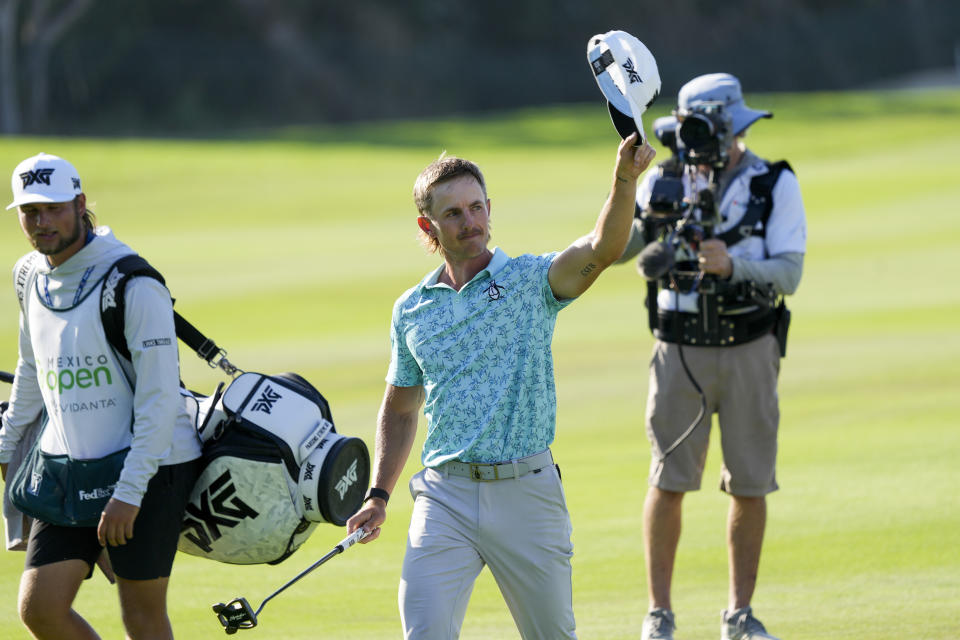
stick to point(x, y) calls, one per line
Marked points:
point(377, 492)
point(729, 270)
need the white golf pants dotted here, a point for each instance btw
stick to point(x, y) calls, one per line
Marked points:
point(519, 527)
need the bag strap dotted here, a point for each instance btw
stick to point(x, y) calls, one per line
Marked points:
point(112, 299)
point(759, 206)
point(762, 186)
point(206, 348)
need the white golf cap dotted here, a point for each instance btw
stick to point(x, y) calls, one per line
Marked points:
point(627, 75)
point(723, 88)
point(44, 178)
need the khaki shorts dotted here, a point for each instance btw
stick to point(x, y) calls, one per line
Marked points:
point(740, 384)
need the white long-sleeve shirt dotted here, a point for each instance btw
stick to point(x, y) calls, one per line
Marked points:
point(95, 401)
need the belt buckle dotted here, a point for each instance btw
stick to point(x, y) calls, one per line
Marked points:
point(477, 474)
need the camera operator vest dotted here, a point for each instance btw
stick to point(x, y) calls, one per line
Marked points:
point(759, 207)
point(729, 314)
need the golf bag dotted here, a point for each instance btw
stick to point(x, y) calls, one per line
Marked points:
point(274, 465)
point(274, 468)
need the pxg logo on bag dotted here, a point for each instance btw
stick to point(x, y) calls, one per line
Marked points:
point(266, 400)
point(213, 512)
point(108, 298)
point(308, 471)
point(347, 480)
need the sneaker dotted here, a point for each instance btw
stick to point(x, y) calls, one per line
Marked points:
point(741, 625)
point(658, 625)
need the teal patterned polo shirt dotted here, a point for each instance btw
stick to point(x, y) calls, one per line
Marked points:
point(483, 358)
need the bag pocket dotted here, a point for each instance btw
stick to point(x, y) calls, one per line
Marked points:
point(63, 491)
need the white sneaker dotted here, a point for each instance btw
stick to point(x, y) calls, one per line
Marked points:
point(741, 625)
point(658, 625)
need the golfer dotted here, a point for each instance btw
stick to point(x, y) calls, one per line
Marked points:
point(97, 406)
point(471, 343)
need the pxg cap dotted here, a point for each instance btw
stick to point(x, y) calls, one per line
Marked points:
point(723, 88)
point(44, 178)
point(627, 75)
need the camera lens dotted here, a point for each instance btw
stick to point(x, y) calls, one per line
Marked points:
point(696, 131)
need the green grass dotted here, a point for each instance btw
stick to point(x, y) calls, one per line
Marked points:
point(290, 247)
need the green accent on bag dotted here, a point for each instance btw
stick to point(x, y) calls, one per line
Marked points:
point(65, 491)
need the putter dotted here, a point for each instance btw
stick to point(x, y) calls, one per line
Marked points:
point(238, 614)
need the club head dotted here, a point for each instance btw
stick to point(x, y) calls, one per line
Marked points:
point(236, 614)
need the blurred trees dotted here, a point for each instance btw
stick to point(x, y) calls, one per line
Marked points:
point(213, 66)
point(26, 45)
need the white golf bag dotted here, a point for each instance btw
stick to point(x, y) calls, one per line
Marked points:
point(274, 468)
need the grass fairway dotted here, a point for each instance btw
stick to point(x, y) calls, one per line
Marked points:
point(289, 250)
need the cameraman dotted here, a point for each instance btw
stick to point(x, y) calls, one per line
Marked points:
point(714, 273)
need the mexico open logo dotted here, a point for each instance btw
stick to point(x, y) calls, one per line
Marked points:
point(80, 371)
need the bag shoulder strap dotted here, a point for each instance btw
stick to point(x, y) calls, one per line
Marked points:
point(762, 185)
point(113, 297)
point(759, 206)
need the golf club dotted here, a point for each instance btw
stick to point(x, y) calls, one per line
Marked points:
point(238, 614)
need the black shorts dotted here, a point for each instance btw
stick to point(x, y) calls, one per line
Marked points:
point(149, 553)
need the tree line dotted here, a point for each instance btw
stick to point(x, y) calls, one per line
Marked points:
point(201, 67)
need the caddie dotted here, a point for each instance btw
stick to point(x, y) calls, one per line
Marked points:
point(115, 428)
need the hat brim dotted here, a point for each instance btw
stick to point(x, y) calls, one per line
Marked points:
point(744, 116)
point(624, 124)
point(35, 198)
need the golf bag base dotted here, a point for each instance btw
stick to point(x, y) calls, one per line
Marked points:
point(274, 468)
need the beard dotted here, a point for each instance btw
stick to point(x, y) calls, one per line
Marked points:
point(61, 242)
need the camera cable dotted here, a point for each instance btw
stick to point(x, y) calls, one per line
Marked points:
point(696, 385)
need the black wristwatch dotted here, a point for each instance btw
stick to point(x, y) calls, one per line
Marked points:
point(375, 492)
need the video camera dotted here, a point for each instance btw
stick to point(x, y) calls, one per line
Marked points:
point(697, 137)
point(703, 134)
point(674, 224)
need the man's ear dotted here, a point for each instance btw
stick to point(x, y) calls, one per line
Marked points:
point(425, 226)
